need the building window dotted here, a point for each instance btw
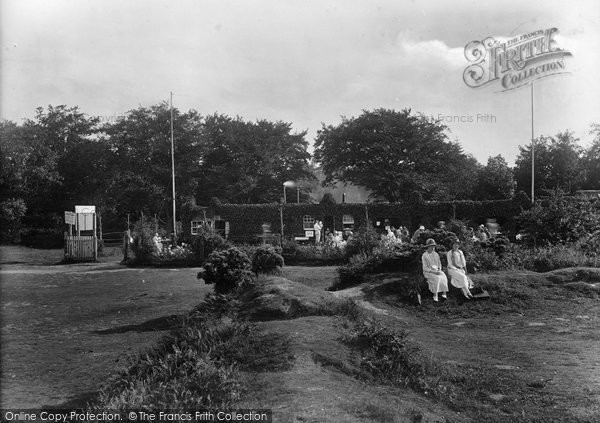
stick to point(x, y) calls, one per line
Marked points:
point(197, 226)
point(347, 219)
point(308, 222)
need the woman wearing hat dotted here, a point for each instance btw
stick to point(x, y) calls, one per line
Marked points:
point(432, 269)
point(457, 267)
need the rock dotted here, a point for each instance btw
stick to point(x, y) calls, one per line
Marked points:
point(497, 397)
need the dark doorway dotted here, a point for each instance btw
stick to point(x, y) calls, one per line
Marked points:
point(328, 223)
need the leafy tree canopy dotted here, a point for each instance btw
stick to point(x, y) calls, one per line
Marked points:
point(495, 180)
point(248, 162)
point(557, 164)
point(395, 154)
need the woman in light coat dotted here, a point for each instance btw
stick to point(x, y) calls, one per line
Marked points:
point(457, 269)
point(432, 270)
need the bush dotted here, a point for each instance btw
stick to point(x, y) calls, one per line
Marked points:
point(443, 238)
point(315, 254)
point(362, 241)
point(142, 246)
point(227, 269)
point(559, 218)
point(180, 255)
point(267, 259)
point(12, 211)
point(555, 257)
point(42, 238)
point(205, 242)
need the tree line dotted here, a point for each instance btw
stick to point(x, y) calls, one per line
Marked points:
point(64, 157)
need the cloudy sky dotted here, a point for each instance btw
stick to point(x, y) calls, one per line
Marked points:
point(304, 62)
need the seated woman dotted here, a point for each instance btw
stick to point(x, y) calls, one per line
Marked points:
point(457, 268)
point(432, 270)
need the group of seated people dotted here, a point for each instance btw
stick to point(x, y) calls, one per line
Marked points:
point(457, 270)
point(394, 235)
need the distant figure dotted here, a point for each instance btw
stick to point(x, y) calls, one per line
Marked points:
point(492, 227)
point(418, 232)
point(432, 270)
point(156, 244)
point(317, 227)
point(457, 269)
point(481, 235)
point(441, 225)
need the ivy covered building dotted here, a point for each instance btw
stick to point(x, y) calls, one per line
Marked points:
point(246, 222)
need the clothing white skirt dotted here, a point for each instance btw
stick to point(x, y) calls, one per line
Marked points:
point(437, 283)
point(458, 278)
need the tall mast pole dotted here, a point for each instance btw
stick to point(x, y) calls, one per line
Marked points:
point(532, 151)
point(173, 172)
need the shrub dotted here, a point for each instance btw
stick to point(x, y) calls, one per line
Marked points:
point(42, 238)
point(182, 254)
point(227, 269)
point(267, 259)
point(362, 241)
point(12, 211)
point(559, 218)
point(142, 246)
point(554, 257)
point(289, 246)
point(205, 242)
point(443, 238)
point(320, 254)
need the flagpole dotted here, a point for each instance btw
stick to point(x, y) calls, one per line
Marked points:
point(173, 172)
point(532, 151)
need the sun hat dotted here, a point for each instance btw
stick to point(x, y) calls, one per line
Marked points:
point(430, 242)
point(422, 227)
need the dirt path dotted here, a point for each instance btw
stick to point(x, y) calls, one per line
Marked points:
point(66, 329)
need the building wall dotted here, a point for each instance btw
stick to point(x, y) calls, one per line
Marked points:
point(245, 221)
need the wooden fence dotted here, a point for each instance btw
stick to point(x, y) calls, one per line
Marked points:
point(81, 248)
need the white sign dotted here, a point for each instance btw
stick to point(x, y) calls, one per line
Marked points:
point(85, 221)
point(69, 218)
point(309, 234)
point(85, 209)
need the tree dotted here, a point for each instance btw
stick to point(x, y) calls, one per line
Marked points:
point(140, 172)
point(247, 162)
point(495, 181)
point(395, 155)
point(557, 164)
point(591, 161)
point(37, 158)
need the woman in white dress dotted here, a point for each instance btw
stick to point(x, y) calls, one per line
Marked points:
point(432, 270)
point(457, 268)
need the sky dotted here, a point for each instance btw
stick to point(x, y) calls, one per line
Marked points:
point(305, 62)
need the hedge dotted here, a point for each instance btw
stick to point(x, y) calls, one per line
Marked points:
point(246, 220)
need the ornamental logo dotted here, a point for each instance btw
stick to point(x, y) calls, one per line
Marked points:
point(516, 62)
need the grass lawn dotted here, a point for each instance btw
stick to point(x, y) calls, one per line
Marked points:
point(66, 329)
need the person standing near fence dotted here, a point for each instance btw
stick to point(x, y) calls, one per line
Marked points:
point(317, 228)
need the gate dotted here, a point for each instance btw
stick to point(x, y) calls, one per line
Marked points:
point(81, 248)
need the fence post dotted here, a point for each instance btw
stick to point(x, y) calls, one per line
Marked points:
point(95, 238)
